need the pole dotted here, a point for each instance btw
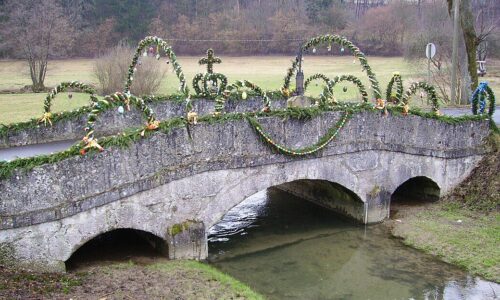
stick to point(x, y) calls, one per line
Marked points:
point(429, 66)
point(454, 59)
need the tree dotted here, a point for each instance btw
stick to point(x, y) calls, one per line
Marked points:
point(469, 35)
point(36, 30)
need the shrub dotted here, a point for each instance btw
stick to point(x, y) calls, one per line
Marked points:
point(111, 72)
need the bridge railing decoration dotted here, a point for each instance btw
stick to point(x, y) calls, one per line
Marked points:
point(213, 84)
point(482, 95)
point(398, 95)
point(400, 102)
point(62, 87)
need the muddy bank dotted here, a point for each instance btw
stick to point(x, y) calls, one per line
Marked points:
point(146, 279)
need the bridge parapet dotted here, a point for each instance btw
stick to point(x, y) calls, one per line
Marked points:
point(111, 122)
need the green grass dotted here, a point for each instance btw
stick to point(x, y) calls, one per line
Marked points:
point(458, 236)
point(210, 273)
point(22, 107)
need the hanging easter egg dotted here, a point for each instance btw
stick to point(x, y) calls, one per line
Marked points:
point(244, 95)
point(157, 56)
point(342, 49)
point(314, 50)
point(329, 48)
point(344, 89)
point(121, 110)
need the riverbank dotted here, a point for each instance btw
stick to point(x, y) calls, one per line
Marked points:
point(161, 279)
point(468, 239)
point(463, 228)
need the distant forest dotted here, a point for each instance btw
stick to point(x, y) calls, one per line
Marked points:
point(378, 27)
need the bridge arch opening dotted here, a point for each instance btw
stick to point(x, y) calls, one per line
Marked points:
point(282, 214)
point(118, 245)
point(415, 191)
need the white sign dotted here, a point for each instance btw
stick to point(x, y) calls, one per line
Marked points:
point(430, 50)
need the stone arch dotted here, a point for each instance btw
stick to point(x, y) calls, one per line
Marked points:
point(83, 239)
point(417, 189)
point(253, 182)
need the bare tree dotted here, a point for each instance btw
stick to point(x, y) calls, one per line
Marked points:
point(36, 30)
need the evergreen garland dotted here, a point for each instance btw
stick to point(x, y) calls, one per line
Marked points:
point(342, 41)
point(219, 80)
point(429, 89)
point(160, 45)
point(62, 87)
point(350, 78)
point(99, 106)
point(396, 78)
point(235, 87)
point(322, 142)
point(478, 99)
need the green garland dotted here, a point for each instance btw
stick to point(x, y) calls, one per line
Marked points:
point(99, 106)
point(483, 90)
point(235, 87)
point(350, 78)
point(322, 143)
point(396, 78)
point(124, 140)
point(429, 89)
point(210, 60)
point(62, 87)
point(160, 45)
point(344, 42)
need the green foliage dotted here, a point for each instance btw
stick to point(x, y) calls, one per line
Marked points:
point(429, 89)
point(344, 42)
point(161, 46)
point(397, 97)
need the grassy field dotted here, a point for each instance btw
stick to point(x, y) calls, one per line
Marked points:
point(266, 71)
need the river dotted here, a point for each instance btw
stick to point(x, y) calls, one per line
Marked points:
point(287, 248)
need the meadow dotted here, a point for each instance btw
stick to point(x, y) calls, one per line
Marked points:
point(266, 71)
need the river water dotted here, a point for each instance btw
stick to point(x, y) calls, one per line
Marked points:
point(288, 248)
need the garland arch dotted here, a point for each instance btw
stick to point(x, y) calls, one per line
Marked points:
point(478, 99)
point(344, 42)
point(350, 78)
point(160, 45)
point(99, 106)
point(396, 78)
point(239, 84)
point(62, 87)
point(429, 89)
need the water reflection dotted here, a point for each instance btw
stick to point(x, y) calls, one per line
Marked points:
point(288, 248)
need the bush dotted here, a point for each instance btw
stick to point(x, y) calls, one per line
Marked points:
point(111, 72)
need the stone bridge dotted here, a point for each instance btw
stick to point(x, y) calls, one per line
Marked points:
point(176, 185)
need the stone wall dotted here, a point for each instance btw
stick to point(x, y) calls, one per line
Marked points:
point(166, 179)
point(111, 122)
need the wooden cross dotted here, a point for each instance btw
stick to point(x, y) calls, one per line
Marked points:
point(210, 60)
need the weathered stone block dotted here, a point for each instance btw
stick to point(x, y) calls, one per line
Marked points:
point(187, 240)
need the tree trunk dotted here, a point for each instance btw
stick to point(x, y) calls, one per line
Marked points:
point(470, 37)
